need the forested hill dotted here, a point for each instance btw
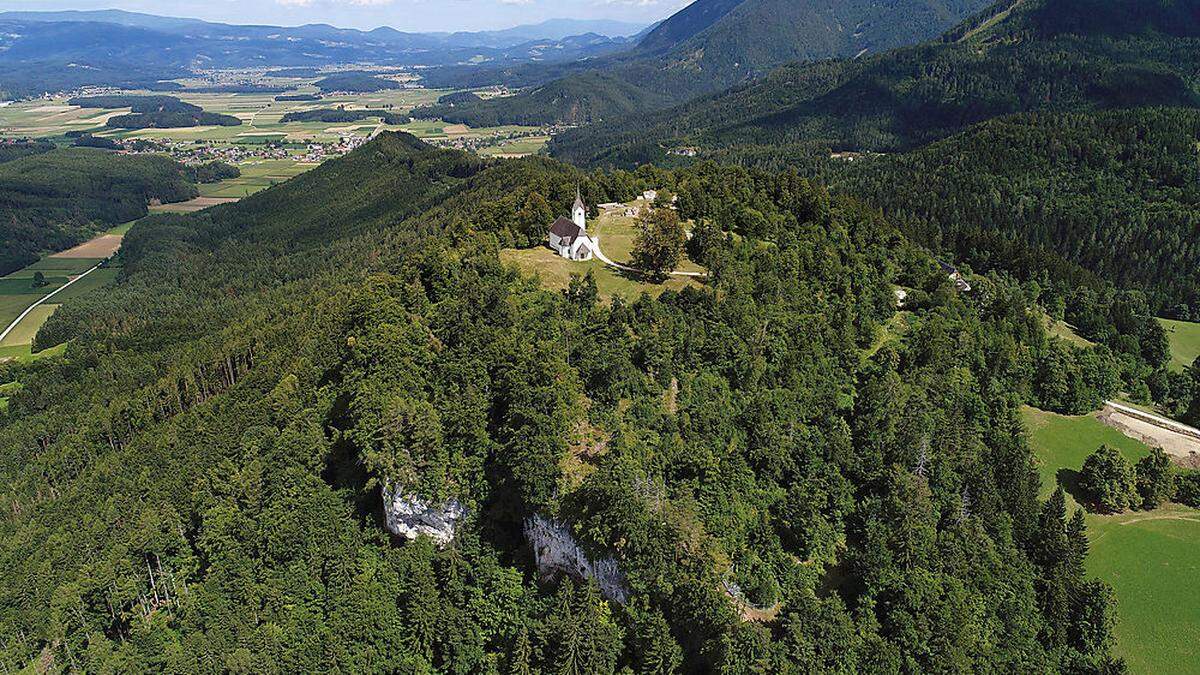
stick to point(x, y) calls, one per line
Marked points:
point(714, 44)
point(1056, 55)
point(196, 483)
point(53, 200)
point(1114, 193)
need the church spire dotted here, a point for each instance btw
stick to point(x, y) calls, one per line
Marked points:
point(579, 211)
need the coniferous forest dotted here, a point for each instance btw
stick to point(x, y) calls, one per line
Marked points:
point(196, 484)
point(333, 427)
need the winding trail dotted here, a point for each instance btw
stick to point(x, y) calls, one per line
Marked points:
point(625, 268)
point(12, 326)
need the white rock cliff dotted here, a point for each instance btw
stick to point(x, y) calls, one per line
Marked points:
point(409, 516)
point(556, 551)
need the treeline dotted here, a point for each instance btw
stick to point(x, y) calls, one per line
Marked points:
point(356, 82)
point(55, 200)
point(216, 436)
point(341, 115)
point(18, 149)
point(155, 112)
point(589, 98)
point(211, 172)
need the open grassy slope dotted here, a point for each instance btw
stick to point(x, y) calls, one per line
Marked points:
point(1150, 559)
point(1184, 337)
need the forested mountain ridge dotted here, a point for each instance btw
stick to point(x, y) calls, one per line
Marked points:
point(1034, 55)
point(1116, 194)
point(712, 45)
point(196, 484)
point(53, 200)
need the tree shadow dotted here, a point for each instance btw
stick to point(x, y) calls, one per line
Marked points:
point(1069, 479)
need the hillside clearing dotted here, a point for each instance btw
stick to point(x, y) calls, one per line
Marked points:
point(1148, 558)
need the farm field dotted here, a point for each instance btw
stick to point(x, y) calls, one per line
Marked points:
point(1149, 558)
point(261, 117)
point(1184, 337)
point(256, 176)
point(17, 291)
point(521, 147)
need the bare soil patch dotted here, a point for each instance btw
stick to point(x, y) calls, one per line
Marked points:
point(101, 247)
point(1184, 449)
point(197, 204)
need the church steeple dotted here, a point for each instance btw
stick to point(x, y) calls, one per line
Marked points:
point(579, 211)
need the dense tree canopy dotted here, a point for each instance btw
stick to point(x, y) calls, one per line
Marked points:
point(52, 201)
point(201, 470)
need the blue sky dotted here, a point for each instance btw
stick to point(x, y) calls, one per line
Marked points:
point(425, 15)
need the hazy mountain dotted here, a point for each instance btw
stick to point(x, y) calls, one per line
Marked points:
point(552, 29)
point(715, 44)
point(1025, 55)
point(116, 48)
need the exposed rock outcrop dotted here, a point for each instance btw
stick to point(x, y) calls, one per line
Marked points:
point(556, 551)
point(409, 516)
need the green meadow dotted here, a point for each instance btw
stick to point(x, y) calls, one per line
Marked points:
point(1184, 337)
point(1149, 558)
point(256, 176)
point(554, 271)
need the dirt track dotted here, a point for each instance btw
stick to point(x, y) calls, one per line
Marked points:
point(1185, 448)
point(100, 247)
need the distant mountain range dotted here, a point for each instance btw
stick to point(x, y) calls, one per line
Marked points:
point(712, 45)
point(1019, 56)
point(46, 51)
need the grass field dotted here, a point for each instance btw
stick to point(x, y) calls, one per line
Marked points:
point(17, 292)
point(555, 272)
point(1184, 337)
point(25, 331)
point(520, 147)
point(617, 233)
point(1150, 559)
point(256, 176)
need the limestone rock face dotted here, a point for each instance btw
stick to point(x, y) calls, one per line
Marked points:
point(409, 516)
point(556, 551)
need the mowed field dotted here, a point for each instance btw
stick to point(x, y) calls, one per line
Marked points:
point(1184, 337)
point(256, 176)
point(1151, 559)
point(520, 147)
point(17, 291)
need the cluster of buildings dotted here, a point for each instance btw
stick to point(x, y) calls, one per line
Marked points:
point(475, 143)
point(190, 152)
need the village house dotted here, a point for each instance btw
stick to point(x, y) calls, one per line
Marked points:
point(569, 237)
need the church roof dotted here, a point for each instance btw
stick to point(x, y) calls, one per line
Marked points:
point(578, 201)
point(565, 228)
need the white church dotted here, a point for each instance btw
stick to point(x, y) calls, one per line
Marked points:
point(570, 237)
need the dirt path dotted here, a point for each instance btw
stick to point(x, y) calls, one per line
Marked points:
point(625, 268)
point(12, 326)
point(1175, 438)
point(101, 247)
